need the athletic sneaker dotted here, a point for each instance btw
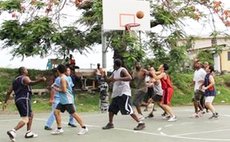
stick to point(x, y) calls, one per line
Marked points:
point(83, 131)
point(195, 115)
point(166, 117)
point(150, 116)
point(47, 128)
point(72, 125)
point(108, 126)
point(215, 115)
point(30, 134)
point(201, 113)
point(141, 117)
point(163, 114)
point(146, 109)
point(57, 132)
point(140, 126)
point(12, 135)
point(172, 119)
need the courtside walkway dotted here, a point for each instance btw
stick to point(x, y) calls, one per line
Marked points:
point(185, 129)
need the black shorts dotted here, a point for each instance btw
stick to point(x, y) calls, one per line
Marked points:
point(149, 94)
point(66, 107)
point(157, 98)
point(198, 95)
point(24, 107)
point(121, 103)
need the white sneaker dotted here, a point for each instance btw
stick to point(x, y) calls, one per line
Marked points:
point(83, 131)
point(12, 135)
point(166, 117)
point(141, 117)
point(30, 134)
point(172, 119)
point(57, 132)
point(196, 115)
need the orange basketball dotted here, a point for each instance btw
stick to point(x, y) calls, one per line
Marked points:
point(140, 14)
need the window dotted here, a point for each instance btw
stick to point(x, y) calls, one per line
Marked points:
point(228, 56)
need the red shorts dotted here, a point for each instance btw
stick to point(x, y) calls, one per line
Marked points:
point(167, 96)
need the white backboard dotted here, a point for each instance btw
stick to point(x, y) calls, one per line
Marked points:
point(118, 13)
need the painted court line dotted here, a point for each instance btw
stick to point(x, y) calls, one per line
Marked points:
point(202, 132)
point(162, 134)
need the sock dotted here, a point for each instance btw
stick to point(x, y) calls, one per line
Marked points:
point(14, 130)
point(140, 122)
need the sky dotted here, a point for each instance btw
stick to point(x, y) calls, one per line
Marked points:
point(201, 28)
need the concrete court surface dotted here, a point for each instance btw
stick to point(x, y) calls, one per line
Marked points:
point(185, 129)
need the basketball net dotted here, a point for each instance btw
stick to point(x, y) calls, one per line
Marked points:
point(131, 25)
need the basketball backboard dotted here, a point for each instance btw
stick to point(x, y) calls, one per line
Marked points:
point(118, 13)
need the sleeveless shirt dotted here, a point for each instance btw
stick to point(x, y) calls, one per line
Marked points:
point(211, 90)
point(21, 90)
point(120, 87)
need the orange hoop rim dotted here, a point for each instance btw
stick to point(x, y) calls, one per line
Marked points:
point(130, 25)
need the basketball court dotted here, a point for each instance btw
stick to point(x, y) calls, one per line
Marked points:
point(118, 15)
point(185, 128)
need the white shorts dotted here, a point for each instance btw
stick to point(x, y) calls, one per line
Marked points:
point(209, 99)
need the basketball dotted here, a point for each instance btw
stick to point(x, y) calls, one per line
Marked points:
point(140, 14)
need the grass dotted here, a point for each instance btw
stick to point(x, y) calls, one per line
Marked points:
point(88, 102)
point(85, 102)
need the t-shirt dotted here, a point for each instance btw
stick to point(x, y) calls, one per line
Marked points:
point(199, 76)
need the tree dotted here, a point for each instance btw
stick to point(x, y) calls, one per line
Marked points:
point(35, 29)
point(44, 17)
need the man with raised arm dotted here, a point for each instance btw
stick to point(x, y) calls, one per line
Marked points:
point(23, 92)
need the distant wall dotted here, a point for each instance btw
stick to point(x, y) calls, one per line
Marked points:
point(225, 63)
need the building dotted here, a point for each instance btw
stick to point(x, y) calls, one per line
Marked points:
point(221, 58)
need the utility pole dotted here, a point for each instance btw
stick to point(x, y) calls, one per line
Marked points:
point(103, 43)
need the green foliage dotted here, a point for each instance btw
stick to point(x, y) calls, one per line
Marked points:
point(91, 14)
point(97, 8)
point(94, 36)
point(10, 33)
point(38, 4)
point(205, 56)
point(10, 5)
point(70, 38)
point(31, 38)
point(177, 58)
point(163, 16)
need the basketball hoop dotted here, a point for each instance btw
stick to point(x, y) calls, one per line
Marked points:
point(131, 25)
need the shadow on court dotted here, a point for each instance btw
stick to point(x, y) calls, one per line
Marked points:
point(184, 129)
